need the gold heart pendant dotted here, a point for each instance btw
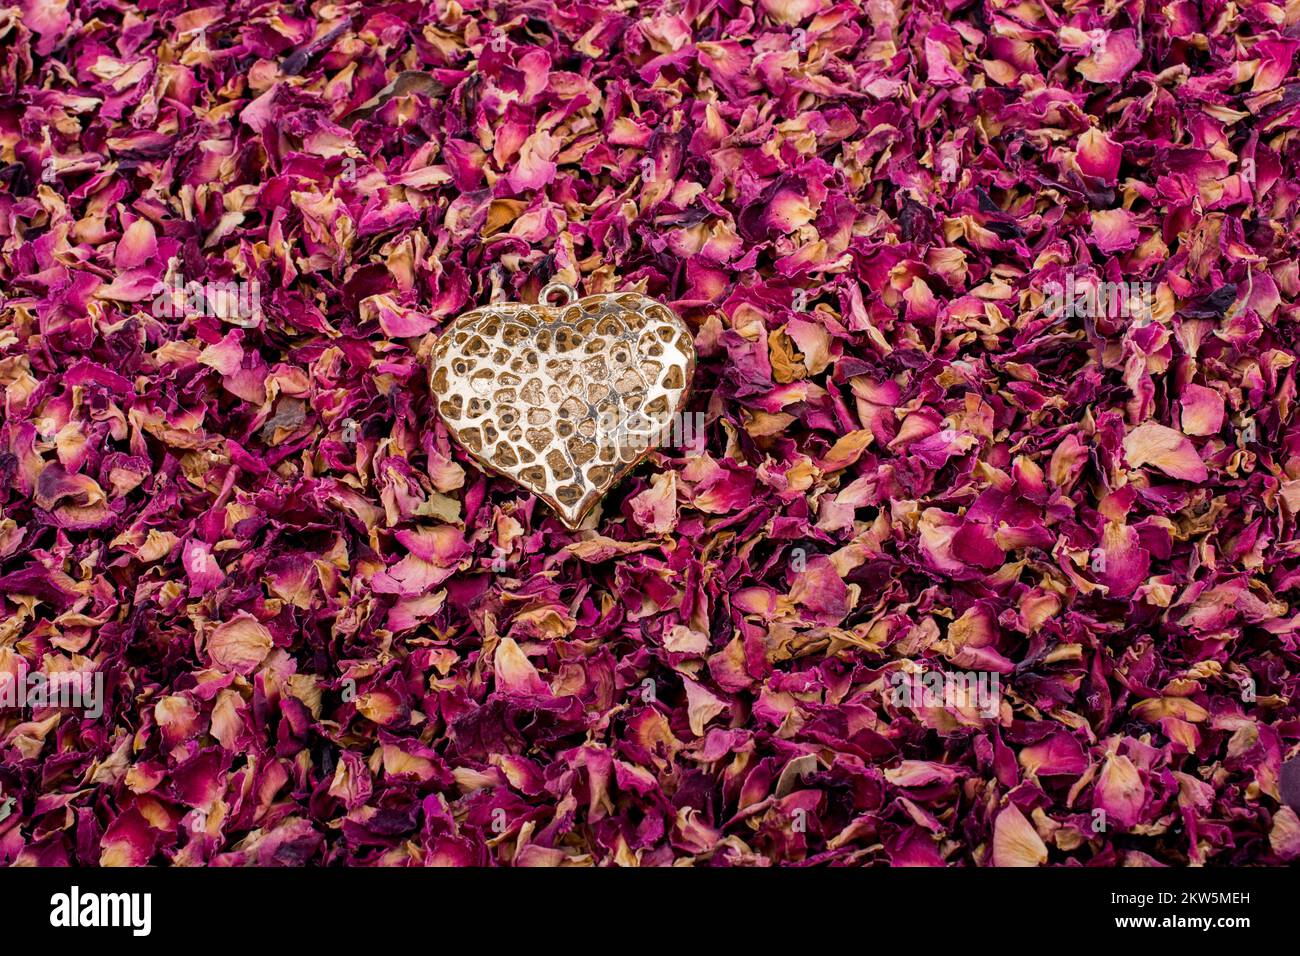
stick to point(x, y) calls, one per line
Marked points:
point(565, 398)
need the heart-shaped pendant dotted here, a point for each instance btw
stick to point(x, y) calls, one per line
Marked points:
point(563, 399)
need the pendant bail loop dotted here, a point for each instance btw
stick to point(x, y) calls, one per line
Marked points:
point(555, 288)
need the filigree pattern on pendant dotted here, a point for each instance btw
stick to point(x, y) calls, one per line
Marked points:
point(563, 399)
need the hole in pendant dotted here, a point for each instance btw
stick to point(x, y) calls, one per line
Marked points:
point(558, 294)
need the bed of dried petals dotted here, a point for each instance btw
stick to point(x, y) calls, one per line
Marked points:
point(229, 236)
